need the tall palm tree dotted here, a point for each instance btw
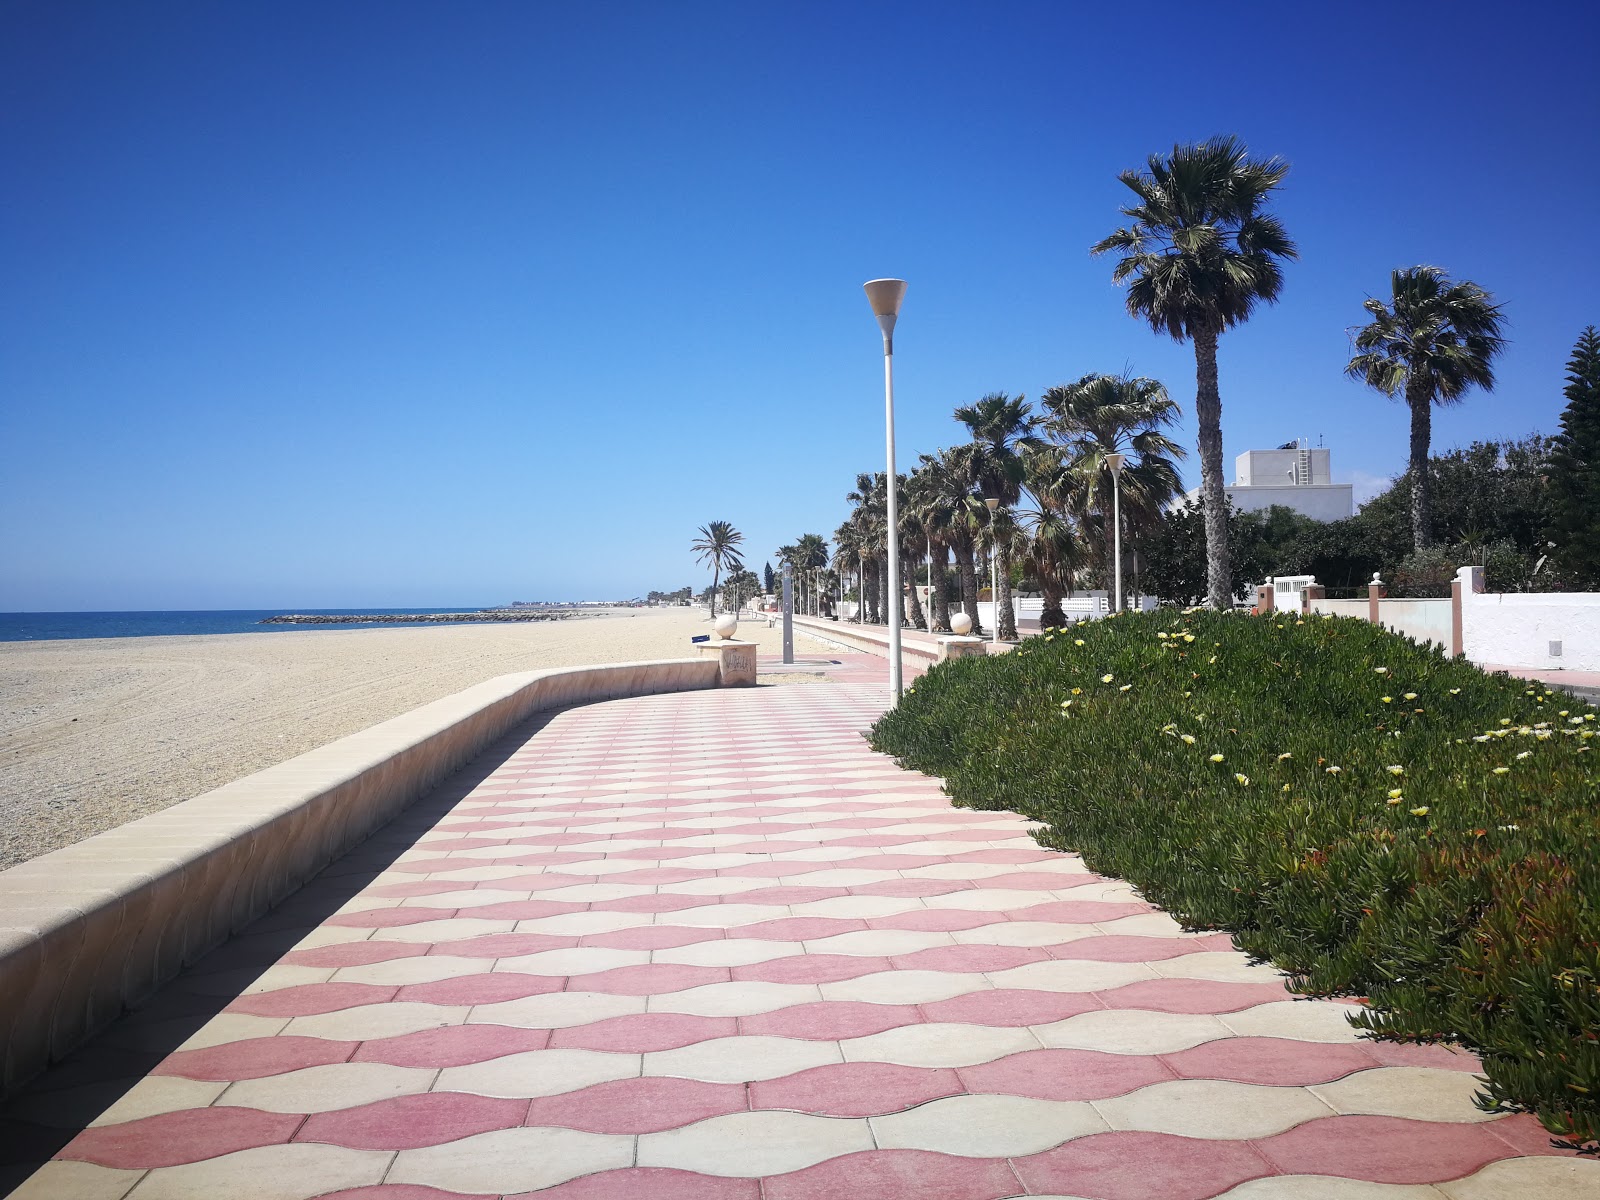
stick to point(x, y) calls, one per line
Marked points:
point(1101, 415)
point(848, 553)
point(924, 502)
point(1200, 254)
point(811, 556)
point(1435, 340)
point(871, 498)
point(966, 518)
point(1053, 547)
point(1002, 429)
point(718, 544)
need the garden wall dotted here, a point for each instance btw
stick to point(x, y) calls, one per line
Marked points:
point(90, 928)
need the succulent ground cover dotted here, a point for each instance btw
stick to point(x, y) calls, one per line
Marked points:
point(1377, 819)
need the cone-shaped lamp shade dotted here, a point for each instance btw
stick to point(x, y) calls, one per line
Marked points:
point(885, 296)
point(1115, 461)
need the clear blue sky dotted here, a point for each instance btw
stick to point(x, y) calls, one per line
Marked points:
point(387, 303)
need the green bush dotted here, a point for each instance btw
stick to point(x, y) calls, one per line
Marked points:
point(1377, 819)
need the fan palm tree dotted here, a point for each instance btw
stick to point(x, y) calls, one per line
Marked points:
point(1101, 415)
point(1053, 547)
point(718, 544)
point(1200, 254)
point(811, 556)
point(966, 518)
point(1002, 430)
point(923, 499)
point(847, 556)
point(1435, 340)
point(871, 498)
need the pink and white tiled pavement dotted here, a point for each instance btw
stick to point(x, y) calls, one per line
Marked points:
point(710, 946)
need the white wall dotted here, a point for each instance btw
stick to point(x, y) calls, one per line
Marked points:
point(1419, 620)
point(1321, 502)
point(1513, 629)
point(1341, 608)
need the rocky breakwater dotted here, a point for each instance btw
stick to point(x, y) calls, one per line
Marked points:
point(451, 618)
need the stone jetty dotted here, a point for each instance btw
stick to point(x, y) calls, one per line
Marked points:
point(455, 618)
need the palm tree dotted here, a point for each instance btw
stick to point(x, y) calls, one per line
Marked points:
point(811, 556)
point(871, 498)
point(1101, 415)
point(1002, 429)
point(1436, 340)
point(847, 556)
point(957, 478)
point(1053, 547)
point(1198, 257)
point(718, 544)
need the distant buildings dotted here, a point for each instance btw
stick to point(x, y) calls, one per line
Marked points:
point(1295, 477)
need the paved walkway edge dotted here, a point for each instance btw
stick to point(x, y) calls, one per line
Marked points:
point(90, 928)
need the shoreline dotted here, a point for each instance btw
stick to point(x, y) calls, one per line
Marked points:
point(96, 732)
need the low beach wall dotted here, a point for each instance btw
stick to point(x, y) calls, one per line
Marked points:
point(873, 639)
point(89, 929)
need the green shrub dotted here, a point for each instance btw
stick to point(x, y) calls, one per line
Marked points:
point(1383, 821)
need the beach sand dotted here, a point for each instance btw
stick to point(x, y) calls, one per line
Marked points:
point(97, 732)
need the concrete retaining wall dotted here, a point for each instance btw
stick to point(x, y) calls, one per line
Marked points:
point(91, 928)
point(872, 639)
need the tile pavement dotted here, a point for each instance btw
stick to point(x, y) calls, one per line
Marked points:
point(709, 945)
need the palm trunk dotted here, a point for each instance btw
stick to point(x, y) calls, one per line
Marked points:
point(937, 600)
point(1208, 412)
point(861, 589)
point(715, 575)
point(1051, 616)
point(1421, 405)
point(918, 621)
point(1005, 616)
point(969, 586)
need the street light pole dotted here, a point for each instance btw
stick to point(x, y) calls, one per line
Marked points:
point(1115, 461)
point(885, 296)
point(994, 570)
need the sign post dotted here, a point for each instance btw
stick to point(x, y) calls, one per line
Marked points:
point(788, 613)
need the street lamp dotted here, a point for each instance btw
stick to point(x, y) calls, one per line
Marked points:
point(885, 296)
point(994, 570)
point(1115, 462)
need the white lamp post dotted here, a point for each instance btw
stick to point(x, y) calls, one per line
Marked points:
point(1115, 462)
point(994, 570)
point(885, 296)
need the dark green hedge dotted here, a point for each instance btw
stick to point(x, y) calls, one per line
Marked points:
point(1383, 821)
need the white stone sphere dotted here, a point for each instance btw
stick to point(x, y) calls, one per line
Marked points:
point(725, 625)
point(960, 624)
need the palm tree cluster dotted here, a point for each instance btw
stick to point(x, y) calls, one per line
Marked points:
point(807, 560)
point(718, 545)
point(1048, 474)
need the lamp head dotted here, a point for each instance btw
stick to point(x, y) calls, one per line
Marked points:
point(1115, 462)
point(885, 296)
point(992, 501)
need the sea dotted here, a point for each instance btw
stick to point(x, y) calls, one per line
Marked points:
point(53, 626)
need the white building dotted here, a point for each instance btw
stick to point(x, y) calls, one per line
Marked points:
point(1298, 478)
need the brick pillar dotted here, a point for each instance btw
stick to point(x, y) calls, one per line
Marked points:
point(1264, 598)
point(1374, 594)
point(1314, 591)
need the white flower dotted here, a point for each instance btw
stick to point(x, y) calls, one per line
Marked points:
point(1395, 769)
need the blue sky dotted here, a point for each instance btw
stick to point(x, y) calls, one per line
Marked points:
point(403, 304)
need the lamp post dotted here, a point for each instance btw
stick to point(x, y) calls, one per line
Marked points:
point(1115, 462)
point(994, 571)
point(885, 296)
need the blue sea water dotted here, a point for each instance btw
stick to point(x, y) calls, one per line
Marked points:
point(49, 626)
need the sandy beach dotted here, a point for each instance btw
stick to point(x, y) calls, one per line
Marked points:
point(97, 732)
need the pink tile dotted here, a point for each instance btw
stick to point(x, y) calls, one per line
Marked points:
point(660, 902)
point(647, 979)
point(191, 1135)
point(1081, 912)
point(798, 929)
point(830, 1020)
point(640, 1033)
point(913, 887)
point(486, 988)
point(1064, 1074)
point(403, 1191)
point(1193, 995)
point(1274, 1062)
point(856, 1089)
point(520, 910)
point(644, 1105)
point(424, 887)
point(307, 999)
point(651, 937)
point(1404, 1054)
point(388, 918)
point(407, 1122)
point(451, 1045)
point(1141, 1166)
point(811, 968)
point(354, 954)
point(937, 920)
point(784, 895)
point(501, 945)
point(1383, 1149)
point(968, 958)
point(896, 1175)
point(1525, 1135)
point(1011, 1007)
point(1122, 947)
point(255, 1058)
point(648, 1183)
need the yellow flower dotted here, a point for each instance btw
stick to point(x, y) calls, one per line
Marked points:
point(1107, 678)
point(1388, 699)
point(1586, 734)
point(1216, 758)
point(1241, 778)
point(1077, 641)
point(1396, 770)
point(1284, 788)
point(1501, 770)
point(1188, 637)
point(1411, 696)
point(1163, 636)
point(1212, 659)
point(1187, 738)
point(1394, 799)
point(1124, 687)
point(1573, 720)
point(1066, 704)
point(1077, 691)
point(1284, 755)
point(1455, 691)
point(1562, 713)
point(1420, 812)
point(1394, 793)
point(1505, 720)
